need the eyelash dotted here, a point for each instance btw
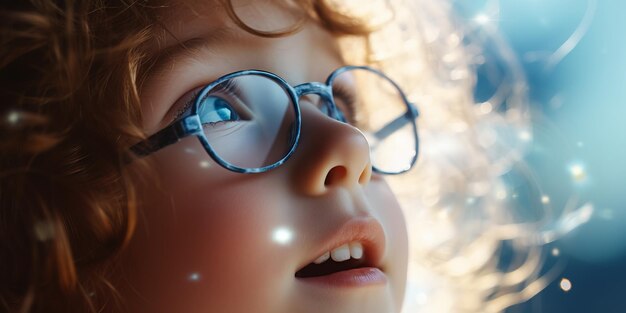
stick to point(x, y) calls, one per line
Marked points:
point(230, 88)
point(181, 112)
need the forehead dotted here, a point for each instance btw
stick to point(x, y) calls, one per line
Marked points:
point(182, 28)
point(182, 20)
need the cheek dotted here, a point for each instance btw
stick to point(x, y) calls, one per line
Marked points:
point(210, 239)
point(203, 245)
point(388, 211)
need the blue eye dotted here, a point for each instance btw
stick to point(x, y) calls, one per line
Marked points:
point(214, 109)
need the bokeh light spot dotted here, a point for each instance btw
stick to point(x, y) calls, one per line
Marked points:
point(282, 235)
point(501, 194)
point(194, 277)
point(13, 117)
point(525, 136)
point(482, 19)
point(44, 230)
point(565, 285)
point(578, 172)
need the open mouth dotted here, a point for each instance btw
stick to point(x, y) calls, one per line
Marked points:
point(344, 258)
point(329, 267)
point(351, 257)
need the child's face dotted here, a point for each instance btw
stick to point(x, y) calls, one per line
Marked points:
point(211, 240)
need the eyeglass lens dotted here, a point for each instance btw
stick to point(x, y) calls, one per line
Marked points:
point(249, 120)
point(379, 102)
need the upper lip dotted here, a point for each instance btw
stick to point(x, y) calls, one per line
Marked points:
point(366, 230)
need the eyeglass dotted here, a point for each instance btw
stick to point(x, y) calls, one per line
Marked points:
point(250, 121)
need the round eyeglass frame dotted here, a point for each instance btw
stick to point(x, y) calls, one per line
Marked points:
point(191, 124)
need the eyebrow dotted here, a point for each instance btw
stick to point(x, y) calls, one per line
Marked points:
point(163, 59)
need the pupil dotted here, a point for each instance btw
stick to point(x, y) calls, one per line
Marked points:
point(223, 110)
point(215, 109)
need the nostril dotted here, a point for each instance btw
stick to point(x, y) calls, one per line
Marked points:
point(335, 175)
point(365, 175)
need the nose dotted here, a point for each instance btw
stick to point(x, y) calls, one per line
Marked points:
point(330, 154)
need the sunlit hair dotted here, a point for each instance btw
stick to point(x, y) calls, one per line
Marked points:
point(460, 207)
point(70, 77)
point(474, 246)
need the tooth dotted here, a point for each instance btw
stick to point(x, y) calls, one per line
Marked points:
point(356, 250)
point(341, 254)
point(322, 258)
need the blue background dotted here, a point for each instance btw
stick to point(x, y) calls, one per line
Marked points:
point(581, 119)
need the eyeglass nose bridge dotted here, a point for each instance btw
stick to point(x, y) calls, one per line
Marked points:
point(325, 92)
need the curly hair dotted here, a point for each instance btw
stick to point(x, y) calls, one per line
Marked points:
point(70, 73)
point(70, 102)
point(70, 78)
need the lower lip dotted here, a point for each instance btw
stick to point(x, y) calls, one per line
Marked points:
point(358, 277)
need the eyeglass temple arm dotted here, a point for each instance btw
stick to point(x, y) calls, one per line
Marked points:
point(399, 122)
point(190, 125)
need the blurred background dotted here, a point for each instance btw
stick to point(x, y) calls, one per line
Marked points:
point(573, 54)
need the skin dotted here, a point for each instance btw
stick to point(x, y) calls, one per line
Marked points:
point(206, 239)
